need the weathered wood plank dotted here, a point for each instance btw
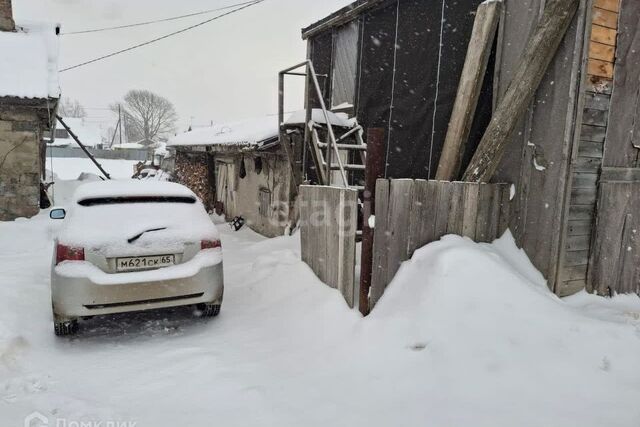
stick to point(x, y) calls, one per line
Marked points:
point(583, 196)
point(603, 35)
point(576, 272)
point(347, 227)
point(630, 252)
point(612, 5)
point(595, 117)
point(597, 84)
point(587, 164)
point(600, 68)
point(576, 258)
point(571, 287)
point(534, 62)
point(605, 18)
point(470, 197)
point(597, 101)
point(581, 212)
point(424, 210)
point(584, 180)
point(593, 133)
point(469, 88)
point(602, 52)
point(400, 201)
point(380, 242)
point(620, 174)
point(580, 228)
point(456, 209)
point(445, 195)
point(591, 149)
point(305, 227)
point(505, 208)
point(577, 243)
point(483, 217)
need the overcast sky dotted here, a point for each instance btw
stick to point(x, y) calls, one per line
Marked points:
point(225, 70)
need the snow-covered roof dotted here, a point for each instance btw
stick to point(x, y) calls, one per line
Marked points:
point(317, 115)
point(29, 64)
point(89, 133)
point(243, 133)
point(251, 132)
point(128, 146)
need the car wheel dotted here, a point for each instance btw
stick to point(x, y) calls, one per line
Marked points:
point(65, 328)
point(209, 310)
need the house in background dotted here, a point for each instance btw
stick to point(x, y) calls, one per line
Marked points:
point(29, 94)
point(91, 134)
point(239, 169)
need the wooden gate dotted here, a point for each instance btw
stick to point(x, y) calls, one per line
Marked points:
point(328, 223)
point(614, 265)
point(411, 214)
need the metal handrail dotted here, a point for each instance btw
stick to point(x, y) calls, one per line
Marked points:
point(332, 137)
point(331, 143)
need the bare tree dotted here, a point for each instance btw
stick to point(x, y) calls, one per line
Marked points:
point(71, 108)
point(146, 116)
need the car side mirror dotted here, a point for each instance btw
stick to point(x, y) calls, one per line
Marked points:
point(57, 213)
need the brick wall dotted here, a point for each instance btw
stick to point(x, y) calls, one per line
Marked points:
point(20, 164)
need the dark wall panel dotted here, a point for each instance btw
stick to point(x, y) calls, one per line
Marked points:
point(401, 88)
point(321, 54)
point(376, 67)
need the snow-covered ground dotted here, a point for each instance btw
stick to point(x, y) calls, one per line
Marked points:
point(466, 335)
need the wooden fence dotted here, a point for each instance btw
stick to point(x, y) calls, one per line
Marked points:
point(410, 214)
point(615, 258)
point(328, 222)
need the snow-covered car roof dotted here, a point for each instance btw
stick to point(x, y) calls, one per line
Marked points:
point(130, 188)
point(29, 65)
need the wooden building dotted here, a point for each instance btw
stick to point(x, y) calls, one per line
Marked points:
point(238, 169)
point(574, 158)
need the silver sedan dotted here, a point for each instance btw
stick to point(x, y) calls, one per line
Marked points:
point(130, 246)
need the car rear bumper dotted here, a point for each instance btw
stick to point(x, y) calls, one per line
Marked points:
point(74, 297)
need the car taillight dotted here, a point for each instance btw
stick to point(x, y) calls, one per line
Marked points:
point(68, 253)
point(210, 244)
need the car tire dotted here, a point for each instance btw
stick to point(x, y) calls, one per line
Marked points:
point(209, 310)
point(65, 328)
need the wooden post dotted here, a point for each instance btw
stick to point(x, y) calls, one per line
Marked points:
point(284, 139)
point(374, 170)
point(475, 67)
point(535, 60)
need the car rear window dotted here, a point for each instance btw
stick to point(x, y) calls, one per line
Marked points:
point(137, 199)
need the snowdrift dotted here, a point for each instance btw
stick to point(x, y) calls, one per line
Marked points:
point(496, 347)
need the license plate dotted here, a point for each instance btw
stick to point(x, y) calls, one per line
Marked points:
point(144, 262)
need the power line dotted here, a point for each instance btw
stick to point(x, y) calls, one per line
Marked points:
point(253, 3)
point(173, 18)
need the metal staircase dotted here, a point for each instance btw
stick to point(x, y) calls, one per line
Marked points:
point(327, 155)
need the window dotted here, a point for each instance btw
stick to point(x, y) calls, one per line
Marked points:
point(345, 64)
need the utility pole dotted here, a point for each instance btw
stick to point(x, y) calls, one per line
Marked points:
point(120, 121)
